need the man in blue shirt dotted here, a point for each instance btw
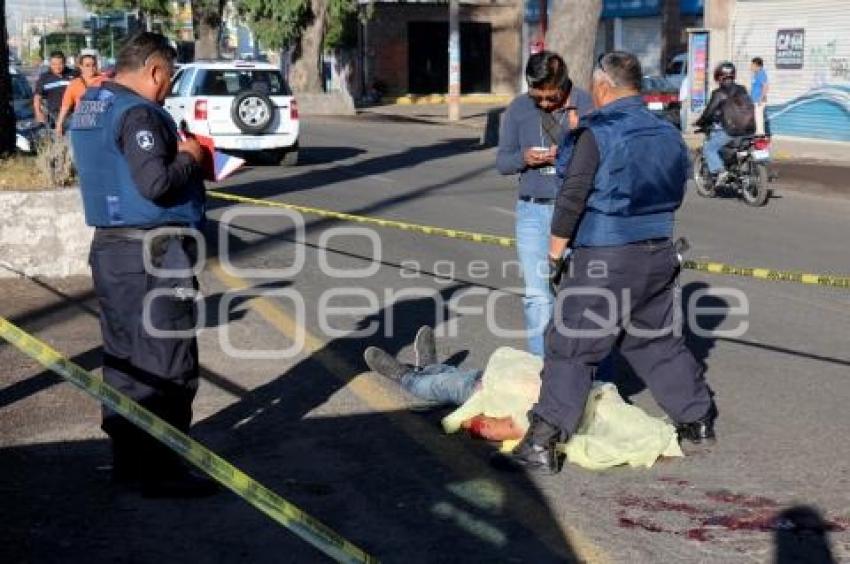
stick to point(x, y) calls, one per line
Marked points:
point(533, 126)
point(758, 92)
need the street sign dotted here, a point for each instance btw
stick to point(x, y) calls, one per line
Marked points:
point(790, 48)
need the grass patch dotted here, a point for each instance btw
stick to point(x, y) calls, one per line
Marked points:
point(20, 172)
point(50, 169)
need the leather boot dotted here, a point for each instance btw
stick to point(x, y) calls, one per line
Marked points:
point(700, 431)
point(536, 451)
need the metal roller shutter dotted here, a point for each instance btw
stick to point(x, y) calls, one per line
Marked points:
point(642, 36)
point(813, 101)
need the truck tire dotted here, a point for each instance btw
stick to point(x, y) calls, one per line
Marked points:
point(252, 112)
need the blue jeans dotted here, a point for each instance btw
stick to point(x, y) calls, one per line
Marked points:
point(533, 222)
point(711, 150)
point(441, 383)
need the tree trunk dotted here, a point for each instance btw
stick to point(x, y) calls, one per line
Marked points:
point(306, 73)
point(207, 21)
point(7, 112)
point(672, 31)
point(572, 34)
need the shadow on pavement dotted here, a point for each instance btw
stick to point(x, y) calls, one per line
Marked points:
point(801, 536)
point(395, 483)
point(307, 180)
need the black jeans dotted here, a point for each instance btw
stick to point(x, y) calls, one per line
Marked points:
point(160, 373)
point(633, 288)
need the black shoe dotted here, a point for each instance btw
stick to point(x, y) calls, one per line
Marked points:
point(700, 431)
point(536, 451)
point(381, 362)
point(425, 347)
point(183, 483)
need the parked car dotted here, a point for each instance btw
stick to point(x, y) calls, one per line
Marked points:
point(27, 130)
point(661, 98)
point(245, 107)
point(677, 69)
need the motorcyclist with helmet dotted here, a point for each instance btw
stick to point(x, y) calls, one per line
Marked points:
point(716, 125)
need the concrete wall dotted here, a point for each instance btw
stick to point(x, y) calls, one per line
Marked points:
point(386, 41)
point(327, 104)
point(44, 234)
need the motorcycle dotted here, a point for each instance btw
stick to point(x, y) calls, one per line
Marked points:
point(745, 159)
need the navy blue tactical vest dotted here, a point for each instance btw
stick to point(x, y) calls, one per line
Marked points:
point(110, 197)
point(641, 179)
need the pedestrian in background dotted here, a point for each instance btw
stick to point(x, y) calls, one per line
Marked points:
point(89, 76)
point(626, 178)
point(137, 176)
point(534, 125)
point(758, 92)
point(50, 88)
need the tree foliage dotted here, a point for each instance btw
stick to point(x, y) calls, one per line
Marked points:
point(276, 23)
point(280, 23)
point(147, 8)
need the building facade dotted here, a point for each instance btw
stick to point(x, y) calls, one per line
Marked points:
point(404, 46)
point(637, 26)
point(806, 50)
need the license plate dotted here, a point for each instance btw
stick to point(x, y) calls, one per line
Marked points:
point(656, 106)
point(250, 144)
point(761, 155)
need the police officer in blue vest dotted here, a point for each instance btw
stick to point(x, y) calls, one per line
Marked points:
point(615, 211)
point(137, 179)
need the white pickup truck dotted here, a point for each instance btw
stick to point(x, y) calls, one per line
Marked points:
point(243, 106)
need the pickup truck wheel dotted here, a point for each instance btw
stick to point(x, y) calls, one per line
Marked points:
point(252, 112)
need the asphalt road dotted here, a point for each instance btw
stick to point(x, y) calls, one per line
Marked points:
point(343, 444)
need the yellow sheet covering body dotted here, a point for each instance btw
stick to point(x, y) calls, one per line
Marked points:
point(611, 432)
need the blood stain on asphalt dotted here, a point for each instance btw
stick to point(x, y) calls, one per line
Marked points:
point(638, 523)
point(657, 504)
point(742, 500)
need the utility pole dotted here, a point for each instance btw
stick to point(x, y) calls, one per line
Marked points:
point(65, 25)
point(454, 60)
point(544, 20)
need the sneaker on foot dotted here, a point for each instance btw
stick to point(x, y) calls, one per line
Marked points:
point(425, 347)
point(381, 362)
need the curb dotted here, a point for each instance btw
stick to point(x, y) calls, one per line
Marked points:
point(421, 99)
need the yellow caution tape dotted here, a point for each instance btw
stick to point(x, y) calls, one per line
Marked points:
point(769, 274)
point(711, 267)
point(262, 498)
point(390, 223)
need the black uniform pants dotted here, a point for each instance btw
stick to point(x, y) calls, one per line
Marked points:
point(160, 373)
point(633, 289)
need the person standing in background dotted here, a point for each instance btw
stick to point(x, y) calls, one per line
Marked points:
point(50, 88)
point(758, 92)
point(533, 127)
point(89, 76)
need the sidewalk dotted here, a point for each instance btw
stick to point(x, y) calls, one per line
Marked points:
point(472, 115)
point(784, 149)
point(795, 149)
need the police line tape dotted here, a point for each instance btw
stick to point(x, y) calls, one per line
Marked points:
point(262, 498)
point(701, 266)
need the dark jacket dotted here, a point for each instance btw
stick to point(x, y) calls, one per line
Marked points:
point(713, 112)
point(521, 129)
